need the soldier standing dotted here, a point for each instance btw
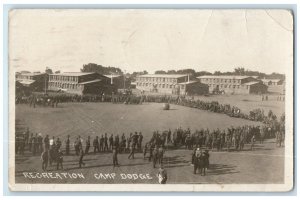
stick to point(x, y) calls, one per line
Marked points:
point(96, 145)
point(252, 142)
point(155, 156)
point(87, 145)
point(34, 144)
point(30, 142)
point(140, 140)
point(76, 146)
point(131, 151)
point(101, 143)
point(111, 142)
point(59, 159)
point(105, 142)
point(162, 175)
point(40, 143)
point(81, 154)
point(115, 157)
point(44, 158)
point(68, 145)
point(46, 143)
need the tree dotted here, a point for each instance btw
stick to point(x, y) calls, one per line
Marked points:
point(160, 72)
point(48, 71)
point(92, 67)
point(57, 72)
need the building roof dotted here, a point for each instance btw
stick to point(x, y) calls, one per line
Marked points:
point(163, 75)
point(30, 74)
point(224, 77)
point(251, 83)
point(26, 82)
point(74, 73)
point(113, 75)
point(272, 80)
point(93, 81)
point(188, 82)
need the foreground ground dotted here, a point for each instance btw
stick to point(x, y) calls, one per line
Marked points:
point(263, 165)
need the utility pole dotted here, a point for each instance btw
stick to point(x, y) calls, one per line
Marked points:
point(124, 78)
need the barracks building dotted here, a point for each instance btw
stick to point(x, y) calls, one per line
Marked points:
point(32, 81)
point(170, 84)
point(81, 83)
point(234, 84)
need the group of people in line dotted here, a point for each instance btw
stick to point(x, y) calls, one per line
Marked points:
point(52, 100)
point(200, 141)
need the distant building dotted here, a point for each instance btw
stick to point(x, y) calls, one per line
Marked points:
point(33, 81)
point(81, 83)
point(193, 88)
point(120, 81)
point(272, 82)
point(234, 84)
point(167, 84)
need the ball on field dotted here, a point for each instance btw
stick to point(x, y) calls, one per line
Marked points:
point(166, 106)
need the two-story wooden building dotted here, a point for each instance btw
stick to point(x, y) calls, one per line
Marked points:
point(234, 84)
point(170, 84)
point(33, 81)
point(81, 83)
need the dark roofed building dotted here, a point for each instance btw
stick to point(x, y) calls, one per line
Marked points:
point(81, 83)
point(33, 81)
point(193, 88)
point(233, 84)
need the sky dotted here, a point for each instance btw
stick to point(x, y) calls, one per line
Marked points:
point(137, 40)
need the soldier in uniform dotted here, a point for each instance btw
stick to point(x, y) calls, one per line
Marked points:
point(111, 142)
point(34, 144)
point(57, 144)
point(160, 155)
point(162, 175)
point(115, 157)
point(252, 142)
point(81, 154)
point(155, 156)
point(117, 142)
point(101, 143)
point(44, 158)
point(140, 140)
point(145, 150)
point(131, 154)
point(68, 145)
point(30, 142)
point(76, 146)
point(87, 145)
point(59, 159)
point(46, 143)
point(40, 143)
point(105, 142)
point(96, 145)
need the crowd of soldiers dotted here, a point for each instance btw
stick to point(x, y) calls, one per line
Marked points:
point(200, 141)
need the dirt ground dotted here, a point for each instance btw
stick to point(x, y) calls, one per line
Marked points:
point(263, 165)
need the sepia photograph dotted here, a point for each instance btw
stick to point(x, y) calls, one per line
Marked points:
point(151, 100)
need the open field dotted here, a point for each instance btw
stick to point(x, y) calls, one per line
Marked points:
point(95, 119)
point(264, 165)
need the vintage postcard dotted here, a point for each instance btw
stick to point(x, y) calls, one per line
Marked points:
point(151, 100)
